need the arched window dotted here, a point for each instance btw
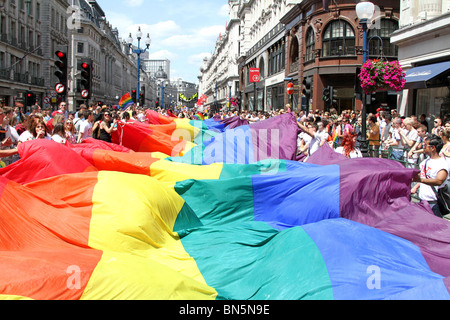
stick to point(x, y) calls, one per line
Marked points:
point(383, 29)
point(294, 50)
point(309, 54)
point(261, 68)
point(338, 39)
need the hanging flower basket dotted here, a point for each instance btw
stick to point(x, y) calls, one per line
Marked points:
point(379, 75)
point(233, 102)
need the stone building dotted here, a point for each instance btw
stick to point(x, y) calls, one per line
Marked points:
point(423, 41)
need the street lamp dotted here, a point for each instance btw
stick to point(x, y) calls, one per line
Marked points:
point(162, 84)
point(138, 51)
point(364, 11)
point(230, 84)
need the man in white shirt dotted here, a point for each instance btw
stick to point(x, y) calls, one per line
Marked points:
point(316, 138)
point(395, 140)
point(409, 137)
point(323, 133)
point(86, 127)
point(433, 173)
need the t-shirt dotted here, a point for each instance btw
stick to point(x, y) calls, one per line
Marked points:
point(86, 130)
point(430, 172)
point(77, 123)
point(374, 135)
point(26, 136)
point(314, 145)
point(396, 136)
point(412, 136)
point(356, 153)
point(59, 139)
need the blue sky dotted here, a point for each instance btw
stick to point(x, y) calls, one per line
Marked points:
point(183, 31)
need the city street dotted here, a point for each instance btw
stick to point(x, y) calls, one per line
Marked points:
point(224, 150)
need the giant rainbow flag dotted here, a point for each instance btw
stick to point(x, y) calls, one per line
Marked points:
point(105, 221)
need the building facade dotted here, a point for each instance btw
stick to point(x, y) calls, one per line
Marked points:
point(219, 74)
point(289, 41)
point(114, 67)
point(423, 40)
point(29, 32)
point(325, 44)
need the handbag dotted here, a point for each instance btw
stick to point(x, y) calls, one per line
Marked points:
point(442, 196)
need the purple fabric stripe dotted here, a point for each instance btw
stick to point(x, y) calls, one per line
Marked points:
point(275, 138)
point(376, 192)
point(234, 122)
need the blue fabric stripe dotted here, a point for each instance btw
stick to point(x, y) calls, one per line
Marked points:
point(367, 263)
point(303, 194)
point(232, 146)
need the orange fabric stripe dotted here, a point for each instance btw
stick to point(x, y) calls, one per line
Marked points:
point(43, 239)
point(136, 163)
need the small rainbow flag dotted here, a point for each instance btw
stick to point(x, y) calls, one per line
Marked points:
point(200, 116)
point(125, 101)
point(335, 136)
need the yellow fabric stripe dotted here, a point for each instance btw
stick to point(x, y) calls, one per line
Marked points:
point(9, 297)
point(172, 172)
point(141, 253)
point(185, 130)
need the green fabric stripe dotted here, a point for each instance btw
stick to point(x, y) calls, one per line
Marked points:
point(186, 219)
point(269, 166)
point(251, 260)
point(226, 205)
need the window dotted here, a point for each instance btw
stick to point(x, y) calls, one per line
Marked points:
point(276, 58)
point(338, 39)
point(261, 68)
point(294, 50)
point(387, 27)
point(80, 47)
point(309, 54)
point(38, 11)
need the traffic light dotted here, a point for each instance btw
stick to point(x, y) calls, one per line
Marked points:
point(30, 99)
point(61, 72)
point(142, 96)
point(333, 95)
point(326, 94)
point(133, 96)
point(86, 79)
point(307, 82)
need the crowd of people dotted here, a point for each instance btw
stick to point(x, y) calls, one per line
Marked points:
point(62, 126)
point(421, 142)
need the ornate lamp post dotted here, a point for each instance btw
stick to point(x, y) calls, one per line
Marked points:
point(162, 84)
point(138, 51)
point(364, 11)
point(230, 84)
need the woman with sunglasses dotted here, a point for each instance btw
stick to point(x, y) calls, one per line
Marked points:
point(106, 127)
point(70, 132)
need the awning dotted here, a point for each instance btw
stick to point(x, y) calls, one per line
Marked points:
point(417, 78)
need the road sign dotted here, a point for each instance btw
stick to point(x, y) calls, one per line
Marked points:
point(290, 88)
point(84, 93)
point(60, 88)
point(255, 75)
point(46, 100)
